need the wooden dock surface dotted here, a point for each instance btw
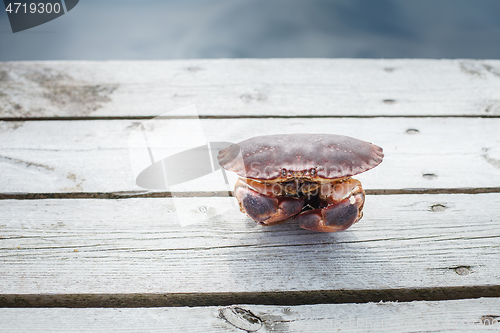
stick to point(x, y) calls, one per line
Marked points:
point(83, 247)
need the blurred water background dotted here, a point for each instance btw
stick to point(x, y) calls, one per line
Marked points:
point(181, 29)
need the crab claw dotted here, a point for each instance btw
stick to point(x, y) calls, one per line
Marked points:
point(266, 209)
point(335, 217)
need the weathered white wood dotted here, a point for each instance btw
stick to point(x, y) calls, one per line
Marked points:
point(139, 246)
point(93, 156)
point(439, 316)
point(251, 87)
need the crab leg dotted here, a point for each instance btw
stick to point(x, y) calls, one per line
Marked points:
point(344, 208)
point(263, 208)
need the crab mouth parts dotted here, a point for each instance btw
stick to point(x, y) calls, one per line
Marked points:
point(299, 189)
point(314, 194)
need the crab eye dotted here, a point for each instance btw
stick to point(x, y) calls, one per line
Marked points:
point(283, 172)
point(312, 172)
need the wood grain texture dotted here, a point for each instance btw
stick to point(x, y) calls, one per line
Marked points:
point(251, 87)
point(205, 245)
point(442, 316)
point(94, 156)
point(437, 121)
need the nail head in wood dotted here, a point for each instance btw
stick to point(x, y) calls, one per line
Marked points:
point(462, 270)
point(438, 208)
point(429, 176)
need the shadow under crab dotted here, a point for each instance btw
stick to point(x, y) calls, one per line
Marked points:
point(301, 176)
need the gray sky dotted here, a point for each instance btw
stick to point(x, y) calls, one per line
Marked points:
point(177, 29)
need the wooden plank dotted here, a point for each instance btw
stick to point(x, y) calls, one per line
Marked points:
point(251, 87)
point(440, 316)
point(93, 156)
point(90, 246)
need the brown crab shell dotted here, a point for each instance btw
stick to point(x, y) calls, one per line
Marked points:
point(331, 156)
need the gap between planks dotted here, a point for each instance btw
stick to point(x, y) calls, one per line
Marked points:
point(239, 117)
point(440, 316)
point(209, 194)
point(229, 298)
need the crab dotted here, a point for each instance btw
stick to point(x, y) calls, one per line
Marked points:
point(306, 177)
